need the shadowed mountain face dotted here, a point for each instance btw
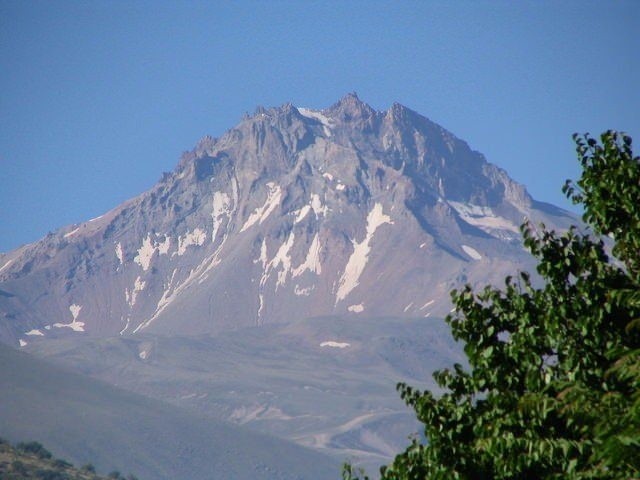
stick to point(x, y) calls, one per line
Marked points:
point(292, 213)
point(325, 383)
point(84, 420)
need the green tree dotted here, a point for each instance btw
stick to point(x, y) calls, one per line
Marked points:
point(552, 389)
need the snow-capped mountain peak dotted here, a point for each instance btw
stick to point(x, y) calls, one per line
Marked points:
point(294, 212)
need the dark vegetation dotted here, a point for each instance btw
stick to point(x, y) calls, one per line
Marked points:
point(553, 385)
point(30, 460)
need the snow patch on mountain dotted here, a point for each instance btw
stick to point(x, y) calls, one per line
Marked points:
point(430, 302)
point(283, 259)
point(145, 253)
point(312, 261)
point(334, 344)
point(303, 291)
point(320, 117)
point(356, 308)
point(130, 296)
point(6, 265)
point(300, 214)
point(75, 310)
point(260, 214)
point(317, 206)
point(35, 332)
point(472, 252)
point(164, 300)
point(126, 326)
point(221, 208)
point(483, 217)
point(71, 233)
point(263, 254)
point(261, 304)
point(75, 325)
point(163, 247)
point(314, 204)
point(195, 238)
point(120, 253)
point(358, 259)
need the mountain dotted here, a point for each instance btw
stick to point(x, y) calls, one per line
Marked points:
point(327, 383)
point(293, 213)
point(283, 277)
point(84, 420)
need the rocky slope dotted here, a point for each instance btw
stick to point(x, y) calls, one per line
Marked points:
point(292, 213)
point(327, 383)
point(84, 420)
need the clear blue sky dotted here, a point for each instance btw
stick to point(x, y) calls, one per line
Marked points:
point(98, 98)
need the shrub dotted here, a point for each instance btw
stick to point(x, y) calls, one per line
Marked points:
point(35, 448)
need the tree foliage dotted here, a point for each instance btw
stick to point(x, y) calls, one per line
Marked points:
point(552, 389)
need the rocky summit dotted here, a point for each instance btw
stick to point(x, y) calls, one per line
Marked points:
point(293, 213)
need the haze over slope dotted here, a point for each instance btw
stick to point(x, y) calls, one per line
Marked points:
point(325, 383)
point(84, 420)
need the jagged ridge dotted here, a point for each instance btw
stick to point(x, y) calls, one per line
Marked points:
point(292, 213)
